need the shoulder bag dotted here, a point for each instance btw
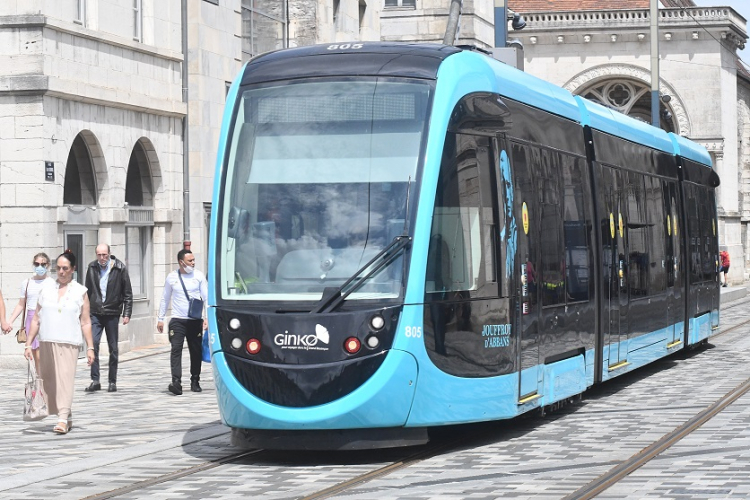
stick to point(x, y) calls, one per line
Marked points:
point(34, 400)
point(21, 333)
point(195, 306)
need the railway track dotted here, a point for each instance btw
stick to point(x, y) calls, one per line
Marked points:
point(406, 459)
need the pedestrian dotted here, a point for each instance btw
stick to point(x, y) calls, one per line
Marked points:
point(61, 318)
point(30, 289)
point(181, 285)
point(724, 257)
point(111, 296)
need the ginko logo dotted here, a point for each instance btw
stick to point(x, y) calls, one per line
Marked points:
point(288, 340)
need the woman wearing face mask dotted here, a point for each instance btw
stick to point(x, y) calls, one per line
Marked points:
point(30, 289)
point(61, 319)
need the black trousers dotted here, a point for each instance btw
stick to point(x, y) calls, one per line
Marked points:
point(192, 331)
point(110, 324)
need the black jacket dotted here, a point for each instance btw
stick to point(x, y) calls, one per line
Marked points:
point(119, 293)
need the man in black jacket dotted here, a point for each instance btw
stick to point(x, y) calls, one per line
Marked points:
point(110, 295)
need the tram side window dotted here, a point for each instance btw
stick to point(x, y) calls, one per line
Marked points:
point(553, 255)
point(461, 252)
point(576, 231)
point(657, 240)
point(637, 237)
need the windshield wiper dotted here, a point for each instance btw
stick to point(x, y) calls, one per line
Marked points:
point(334, 297)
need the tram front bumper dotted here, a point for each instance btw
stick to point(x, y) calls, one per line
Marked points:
point(384, 400)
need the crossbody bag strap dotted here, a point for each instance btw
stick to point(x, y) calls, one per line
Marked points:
point(26, 300)
point(179, 275)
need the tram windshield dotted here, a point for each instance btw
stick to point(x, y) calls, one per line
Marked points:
point(317, 180)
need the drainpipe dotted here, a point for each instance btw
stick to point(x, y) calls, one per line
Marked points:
point(185, 130)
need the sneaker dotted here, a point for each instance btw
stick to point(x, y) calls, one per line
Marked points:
point(195, 387)
point(95, 386)
point(175, 389)
point(112, 387)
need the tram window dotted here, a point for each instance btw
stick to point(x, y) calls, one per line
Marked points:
point(637, 237)
point(553, 255)
point(461, 253)
point(575, 230)
point(657, 236)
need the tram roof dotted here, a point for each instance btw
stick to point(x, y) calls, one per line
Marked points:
point(411, 60)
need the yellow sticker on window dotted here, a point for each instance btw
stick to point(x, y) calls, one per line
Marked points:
point(713, 223)
point(612, 224)
point(525, 217)
point(674, 223)
point(621, 226)
point(669, 225)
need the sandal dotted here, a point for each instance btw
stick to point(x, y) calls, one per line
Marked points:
point(61, 427)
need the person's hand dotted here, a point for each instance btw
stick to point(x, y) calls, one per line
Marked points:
point(205, 324)
point(6, 326)
point(160, 327)
point(27, 353)
point(125, 320)
point(89, 356)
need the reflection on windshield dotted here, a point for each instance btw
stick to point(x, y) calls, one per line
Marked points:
point(312, 195)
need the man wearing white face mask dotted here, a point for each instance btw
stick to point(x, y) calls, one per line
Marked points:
point(187, 290)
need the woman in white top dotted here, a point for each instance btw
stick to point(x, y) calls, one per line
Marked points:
point(62, 315)
point(30, 289)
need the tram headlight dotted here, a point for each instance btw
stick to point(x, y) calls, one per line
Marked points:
point(236, 343)
point(253, 346)
point(352, 345)
point(234, 324)
point(372, 342)
point(377, 322)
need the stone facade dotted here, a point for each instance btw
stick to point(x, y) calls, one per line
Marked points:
point(80, 94)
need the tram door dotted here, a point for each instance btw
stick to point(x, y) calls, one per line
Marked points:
point(525, 160)
point(615, 270)
point(675, 299)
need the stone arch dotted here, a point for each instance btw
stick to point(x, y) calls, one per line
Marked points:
point(591, 77)
point(139, 186)
point(83, 169)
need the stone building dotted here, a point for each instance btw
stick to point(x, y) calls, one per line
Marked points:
point(110, 112)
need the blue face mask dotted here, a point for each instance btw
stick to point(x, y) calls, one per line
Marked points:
point(40, 270)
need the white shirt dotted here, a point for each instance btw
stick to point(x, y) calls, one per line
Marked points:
point(32, 293)
point(60, 319)
point(196, 286)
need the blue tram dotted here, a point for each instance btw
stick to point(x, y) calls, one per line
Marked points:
point(407, 236)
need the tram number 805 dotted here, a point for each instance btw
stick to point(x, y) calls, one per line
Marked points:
point(345, 46)
point(413, 332)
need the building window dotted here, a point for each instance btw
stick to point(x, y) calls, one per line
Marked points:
point(401, 3)
point(137, 21)
point(137, 256)
point(81, 12)
point(264, 27)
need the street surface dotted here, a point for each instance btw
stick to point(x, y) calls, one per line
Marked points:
point(143, 442)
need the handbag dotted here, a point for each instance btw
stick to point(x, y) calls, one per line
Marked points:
point(206, 352)
point(195, 306)
point(34, 400)
point(21, 333)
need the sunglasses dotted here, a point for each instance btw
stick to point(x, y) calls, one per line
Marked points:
point(37, 264)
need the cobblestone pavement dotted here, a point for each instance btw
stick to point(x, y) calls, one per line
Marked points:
point(142, 432)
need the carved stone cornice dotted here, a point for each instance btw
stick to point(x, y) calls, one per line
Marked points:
point(595, 74)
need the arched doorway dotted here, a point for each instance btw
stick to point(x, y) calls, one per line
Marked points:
point(139, 198)
point(81, 196)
